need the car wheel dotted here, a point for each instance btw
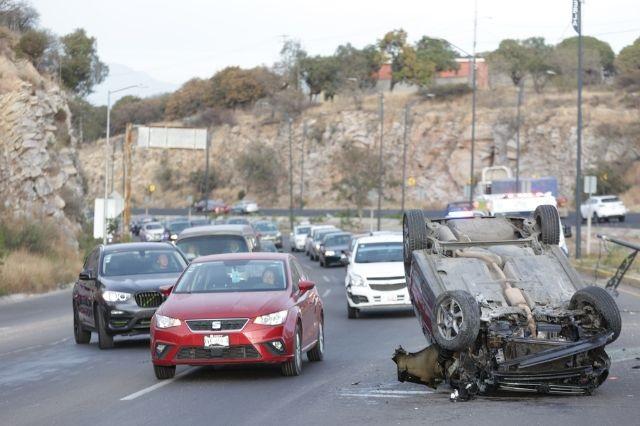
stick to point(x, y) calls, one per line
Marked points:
point(81, 335)
point(414, 234)
point(317, 352)
point(105, 340)
point(322, 264)
point(457, 320)
point(621, 218)
point(597, 300)
point(547, 224)
point(352, 313)
point(293, 367)
point(164, 372)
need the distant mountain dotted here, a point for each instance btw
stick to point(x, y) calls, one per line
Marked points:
point(122, 76)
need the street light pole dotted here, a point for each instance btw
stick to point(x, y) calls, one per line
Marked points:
point(404, 154)
point(304, 137)
point(106, 160)
point(380, 167)
point(520, 92)
point(290, 174)
point(473, 105)
point(578, 27)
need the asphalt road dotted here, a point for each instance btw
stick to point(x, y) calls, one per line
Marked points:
point(46, 379)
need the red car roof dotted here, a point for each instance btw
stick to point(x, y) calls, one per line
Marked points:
point(243, 256)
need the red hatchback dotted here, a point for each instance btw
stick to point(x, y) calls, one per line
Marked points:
point(239, 308)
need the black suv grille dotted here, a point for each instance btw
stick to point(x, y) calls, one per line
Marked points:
point(149, 299)
point(225, 324)
point(387, 287)
point(232, 352)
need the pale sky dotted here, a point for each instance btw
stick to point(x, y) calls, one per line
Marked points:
point(173, 41)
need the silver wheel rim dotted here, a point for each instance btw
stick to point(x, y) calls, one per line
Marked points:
point(321, 339)
point(449, 319)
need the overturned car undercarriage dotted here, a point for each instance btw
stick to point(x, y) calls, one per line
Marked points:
point(502, 308)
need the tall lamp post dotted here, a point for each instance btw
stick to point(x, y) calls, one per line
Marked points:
point(577, 25)
point(106, 159)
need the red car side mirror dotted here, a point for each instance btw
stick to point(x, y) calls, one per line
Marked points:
point(166, 289)
point(306, 285)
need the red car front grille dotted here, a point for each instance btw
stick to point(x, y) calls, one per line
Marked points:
point(232, 352)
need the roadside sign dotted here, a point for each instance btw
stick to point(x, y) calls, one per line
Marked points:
point(189, 199)
point(590, 184)
point(152, 188)
point(575, 15)
point(411, 181)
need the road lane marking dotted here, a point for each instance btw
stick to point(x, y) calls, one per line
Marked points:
point(326, 280)
point(326, 293)
point(156, 386)
point(388, 393)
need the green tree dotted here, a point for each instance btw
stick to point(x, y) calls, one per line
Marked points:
point(438, 51)
point(288, 67)
point(80, 66)
point(598, 60)
point(395, 49)
point(511, 57)
point(132, 109)
point(358, 65)
point(628, 66)
point(321, 74)
point(90, 122)
point(32, 45)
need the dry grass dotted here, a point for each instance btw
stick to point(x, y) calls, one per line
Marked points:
point(25, 272)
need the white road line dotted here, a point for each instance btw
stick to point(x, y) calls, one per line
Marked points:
point(385, 393)
point(326, 280)
point(156, 386)
point(326, 293)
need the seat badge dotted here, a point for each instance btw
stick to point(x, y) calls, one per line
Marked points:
point(216, 325)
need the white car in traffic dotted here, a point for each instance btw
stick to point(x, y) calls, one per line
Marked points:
point(298, 237)
point(603, 207)
point(311, 236)
point(152, 231)
point(375, 275)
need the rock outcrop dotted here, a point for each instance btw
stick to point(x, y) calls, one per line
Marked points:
point(39, 175)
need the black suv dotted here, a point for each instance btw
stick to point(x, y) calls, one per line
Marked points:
point(120, 287)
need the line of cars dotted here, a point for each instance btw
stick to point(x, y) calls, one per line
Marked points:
point(210, 297)
point(375, 270)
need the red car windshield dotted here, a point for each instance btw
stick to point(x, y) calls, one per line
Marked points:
point(233, 276)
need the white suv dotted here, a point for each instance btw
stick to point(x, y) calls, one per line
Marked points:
point(603, 207)
point(298, 237)
point(375, 275)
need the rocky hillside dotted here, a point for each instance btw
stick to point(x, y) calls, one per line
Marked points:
point(438, 148)
point(39, 177)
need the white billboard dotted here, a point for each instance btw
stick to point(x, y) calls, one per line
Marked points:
point(115, 206)
point(171, 137)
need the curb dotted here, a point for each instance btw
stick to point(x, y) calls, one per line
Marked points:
point(631, 280)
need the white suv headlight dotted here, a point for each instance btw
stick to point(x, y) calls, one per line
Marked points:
point(329, 253)
point(115, 296)
point(275, 318)
point(357, 280)
point(166, 322)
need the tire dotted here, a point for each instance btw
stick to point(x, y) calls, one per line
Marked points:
point(602, 302)
point(105, 340)
point(621, 218)
point(323, 264)
point(81, 336)
point(293, 367)
point(316, 353)
point(548, 224)
point(457, 321)
point(352, 313)
point(164, 372)
point(414, 235)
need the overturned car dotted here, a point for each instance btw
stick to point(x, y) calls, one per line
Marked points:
point(502, 308)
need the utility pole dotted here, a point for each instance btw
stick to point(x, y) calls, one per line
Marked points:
point(577, 25)
point(290, 173)
point(520, 91)
point(380, 166)
point(206, 172)
point(126, 162)
point(304, 137)
point(472, 182)
point(404, 154)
